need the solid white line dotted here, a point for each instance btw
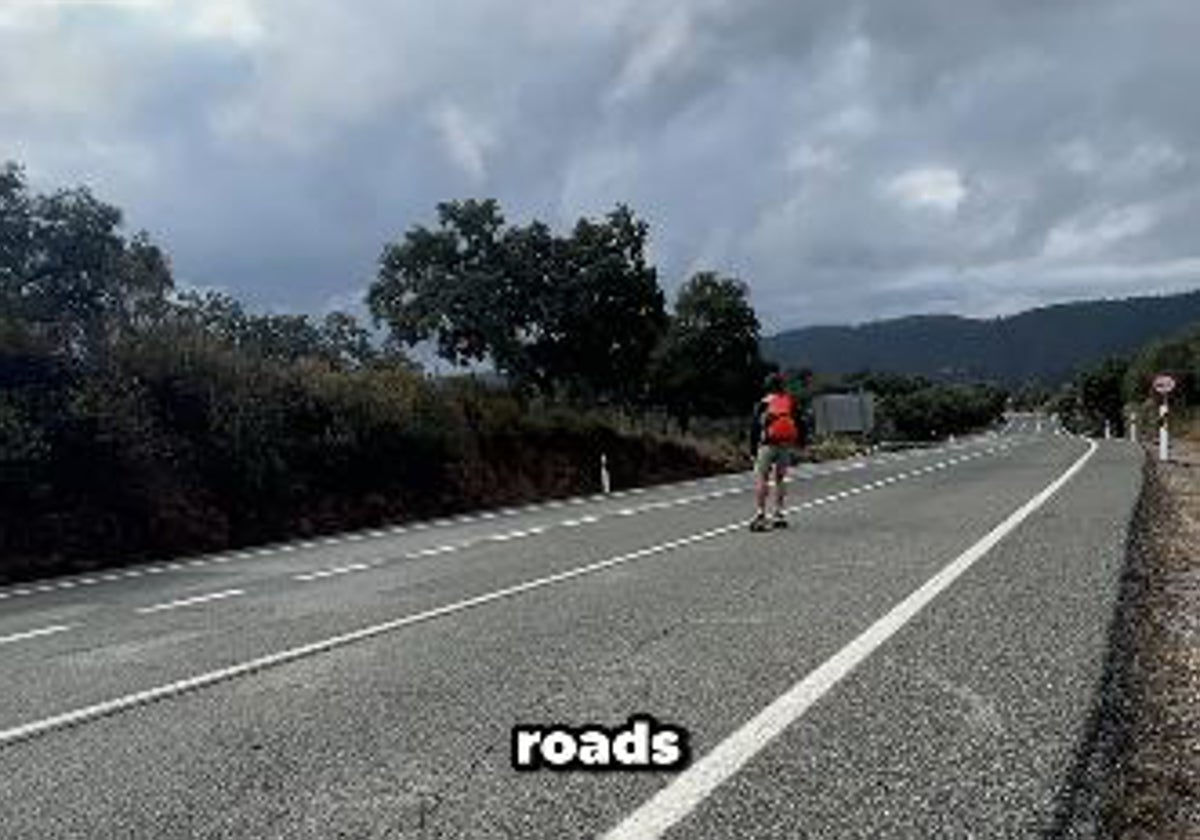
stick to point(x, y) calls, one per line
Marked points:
point(33, 634)
point(119, 704)
point(87, 713)
point(187, 602)
point(689, 789)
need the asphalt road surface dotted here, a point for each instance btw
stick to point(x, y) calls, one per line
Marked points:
point(916, 656)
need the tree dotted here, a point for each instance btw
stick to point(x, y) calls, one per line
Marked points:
point(1179, 357)
point(346, 342)
point(66, 270)
point(708, 363)
point(1100, 394)
point(450, 284)
point(602, 312)
point(578, 315)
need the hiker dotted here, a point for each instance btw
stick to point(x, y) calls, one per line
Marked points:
point(774, 433)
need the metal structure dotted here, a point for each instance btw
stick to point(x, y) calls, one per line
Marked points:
point(844, 414)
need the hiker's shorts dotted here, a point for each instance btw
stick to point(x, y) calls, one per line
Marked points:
point(770, 456)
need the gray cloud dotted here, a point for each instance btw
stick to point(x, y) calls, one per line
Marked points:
point(848, 160)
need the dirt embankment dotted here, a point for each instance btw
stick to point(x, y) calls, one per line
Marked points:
point(1155, 788)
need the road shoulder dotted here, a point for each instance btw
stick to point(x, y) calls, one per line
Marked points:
point(1152, 784)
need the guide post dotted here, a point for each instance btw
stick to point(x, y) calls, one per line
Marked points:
point(1164, 384)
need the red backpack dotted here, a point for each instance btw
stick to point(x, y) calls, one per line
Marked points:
point(779, 421)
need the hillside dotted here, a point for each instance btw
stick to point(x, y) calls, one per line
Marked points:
point(1043, 345)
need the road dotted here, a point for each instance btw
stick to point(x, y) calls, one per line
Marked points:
point(917, 656)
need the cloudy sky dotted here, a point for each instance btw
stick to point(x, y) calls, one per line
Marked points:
point(849, 160)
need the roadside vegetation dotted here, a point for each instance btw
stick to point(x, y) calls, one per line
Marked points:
point(915, 409)
point(1120, 387)
point(140, 419)
point(1153, 788)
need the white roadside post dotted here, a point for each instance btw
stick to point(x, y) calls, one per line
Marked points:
point(1164, 384)
point(1164, 437)
point(605, 481)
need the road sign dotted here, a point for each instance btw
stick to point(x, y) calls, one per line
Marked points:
point(1164, 384)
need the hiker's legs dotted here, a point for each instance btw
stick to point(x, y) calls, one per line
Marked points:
point(762, 474)
point(780, 484)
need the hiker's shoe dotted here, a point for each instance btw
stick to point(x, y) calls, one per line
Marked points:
point(759, 523)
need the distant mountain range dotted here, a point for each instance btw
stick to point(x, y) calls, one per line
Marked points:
point(1045, 345)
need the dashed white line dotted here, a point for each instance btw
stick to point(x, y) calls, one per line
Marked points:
point(34, 634)
point(576, 522)
point(327, 573)
point(187, 602)
point(81, 715)
point(486, 515)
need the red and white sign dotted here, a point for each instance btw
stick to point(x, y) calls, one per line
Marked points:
point(1164, 384)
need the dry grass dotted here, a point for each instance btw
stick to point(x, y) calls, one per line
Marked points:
point(1158, 794)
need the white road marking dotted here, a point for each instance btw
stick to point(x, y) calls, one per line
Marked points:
point(33, 729)
point(433, 551)
point(327, 573)
point(87, 713)
point(34, 634)
point(808, 472)
point(187, 602)
point(689, 789)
